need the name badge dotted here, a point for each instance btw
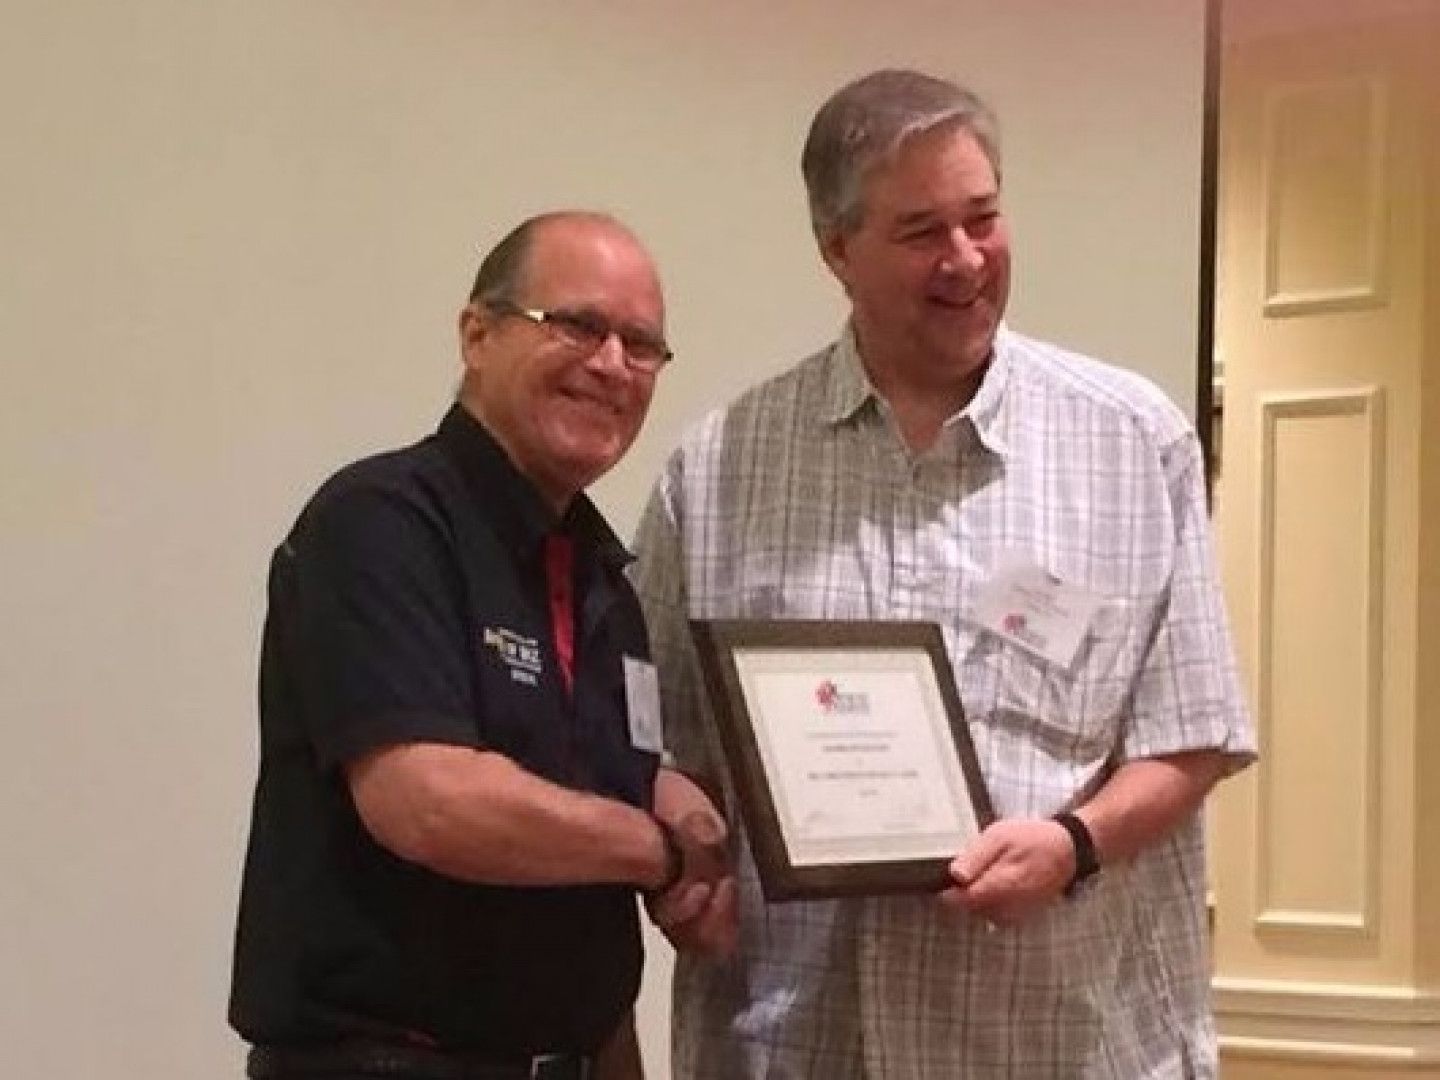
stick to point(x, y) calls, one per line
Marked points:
point(1030, 607)
point(642, 702)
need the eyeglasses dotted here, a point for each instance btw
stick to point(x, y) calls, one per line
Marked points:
point(586, 331)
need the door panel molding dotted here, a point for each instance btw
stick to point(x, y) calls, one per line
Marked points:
point(1319, 630)
point(1325, 156)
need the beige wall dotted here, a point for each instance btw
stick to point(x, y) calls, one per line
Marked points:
point(235, 234)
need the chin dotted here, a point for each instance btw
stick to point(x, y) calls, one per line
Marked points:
point(589, 466)
point(975, 344)
point(960, 353)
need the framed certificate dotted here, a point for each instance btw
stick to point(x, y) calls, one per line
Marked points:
point(849, 752)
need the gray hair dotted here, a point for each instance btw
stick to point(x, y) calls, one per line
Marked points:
point(500, 271)
point(863, 124)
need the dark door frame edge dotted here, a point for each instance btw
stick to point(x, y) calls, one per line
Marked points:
point(1209, 183)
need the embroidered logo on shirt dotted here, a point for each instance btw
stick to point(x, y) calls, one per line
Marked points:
point(520, 654)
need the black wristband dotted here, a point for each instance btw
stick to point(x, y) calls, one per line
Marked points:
point(674, 859)
point(1087, 862)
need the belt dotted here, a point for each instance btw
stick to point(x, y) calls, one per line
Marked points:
point(406, 1063)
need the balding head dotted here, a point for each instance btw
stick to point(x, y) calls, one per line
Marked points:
point(501, 273)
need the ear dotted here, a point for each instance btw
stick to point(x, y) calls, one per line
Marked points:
point(835, 250)
point(475, 325)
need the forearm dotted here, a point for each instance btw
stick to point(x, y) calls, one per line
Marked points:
point(478, 816)
point(1145, 800)
point(1019, 865)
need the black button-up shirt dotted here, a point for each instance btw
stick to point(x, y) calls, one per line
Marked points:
point(409, 604)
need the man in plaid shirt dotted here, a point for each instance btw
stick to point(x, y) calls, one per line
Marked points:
point(1048, 511)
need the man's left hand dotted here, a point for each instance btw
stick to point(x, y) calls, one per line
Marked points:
point(1011, 870)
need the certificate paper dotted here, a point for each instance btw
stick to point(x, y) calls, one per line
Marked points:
point(849, 752)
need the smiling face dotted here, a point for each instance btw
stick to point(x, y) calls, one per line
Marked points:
point(565, 415)
point(928, 268)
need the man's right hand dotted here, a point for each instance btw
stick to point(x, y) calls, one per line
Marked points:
point(699, 911)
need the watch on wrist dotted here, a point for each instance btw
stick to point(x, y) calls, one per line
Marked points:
point(1087, 862)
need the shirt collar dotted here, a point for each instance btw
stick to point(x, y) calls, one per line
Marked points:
point(986, 408)
point(513, 504)
point(848, 389)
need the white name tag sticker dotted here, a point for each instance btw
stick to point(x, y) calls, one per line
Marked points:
point(642, 702)
point(1030, 607)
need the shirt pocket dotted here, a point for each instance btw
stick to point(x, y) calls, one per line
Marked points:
point(1072, 713)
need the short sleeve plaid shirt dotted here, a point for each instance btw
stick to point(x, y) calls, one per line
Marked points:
point(801, 501)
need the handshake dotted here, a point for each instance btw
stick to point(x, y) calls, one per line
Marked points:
point(696, 906)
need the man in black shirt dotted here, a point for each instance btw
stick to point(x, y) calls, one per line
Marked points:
point(460, 790)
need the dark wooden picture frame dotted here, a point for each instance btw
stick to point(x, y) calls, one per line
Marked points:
point(783, 876)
